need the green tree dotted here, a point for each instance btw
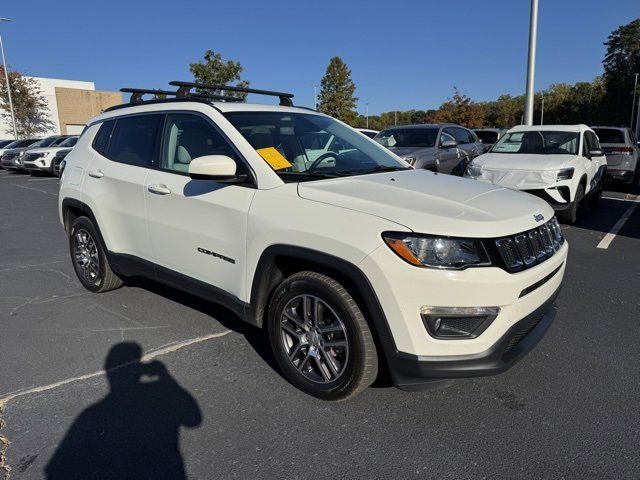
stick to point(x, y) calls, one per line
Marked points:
point(29, 105)
point(337, 92)
point(621, 63)
point(215, 70)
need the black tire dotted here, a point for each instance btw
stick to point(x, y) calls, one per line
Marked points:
point(596, 196)
point(354, 366)
point(570, 216)
point(85, 247)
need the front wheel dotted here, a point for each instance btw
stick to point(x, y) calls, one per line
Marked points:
point(89, 258)
point(320, 337)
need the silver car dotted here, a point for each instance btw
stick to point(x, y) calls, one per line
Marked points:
point(445, 148)
point(621, 148)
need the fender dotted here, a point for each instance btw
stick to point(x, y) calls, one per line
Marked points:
point(267, 273)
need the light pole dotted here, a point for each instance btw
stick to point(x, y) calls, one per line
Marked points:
point(6, 77)
point(531, 65)
point(542, 110)
point(633, 103)
point(367, 104)
point(315, 96)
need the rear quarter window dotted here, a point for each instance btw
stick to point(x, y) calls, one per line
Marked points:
point(101, 141)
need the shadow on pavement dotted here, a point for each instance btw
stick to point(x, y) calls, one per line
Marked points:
point(134, 431)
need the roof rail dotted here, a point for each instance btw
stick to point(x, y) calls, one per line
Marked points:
point(137, 93)
point(185, 89)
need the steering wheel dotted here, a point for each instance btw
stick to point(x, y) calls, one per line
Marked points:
point(321, 158)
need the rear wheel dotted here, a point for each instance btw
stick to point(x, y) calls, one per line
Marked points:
point(320, 338)
point(89, 258)
point(570, 216)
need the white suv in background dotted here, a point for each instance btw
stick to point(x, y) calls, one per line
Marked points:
point(41, 159)
point(348, 261)
point(563, 164)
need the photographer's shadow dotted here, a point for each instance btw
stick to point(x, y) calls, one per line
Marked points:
point(134, 431)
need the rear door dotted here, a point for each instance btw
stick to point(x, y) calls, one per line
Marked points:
point(114, 184)
point(197, 227)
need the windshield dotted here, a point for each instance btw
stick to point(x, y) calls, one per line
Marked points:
point(4, 143)
point(544, 142)
point(68, 142)
point(486, 136)
point(307, 146)
point(408, 137)
point(609, 135)
point(45, 142)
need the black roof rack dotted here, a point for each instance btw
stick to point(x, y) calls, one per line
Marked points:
point(185, 89)
point(137, 93)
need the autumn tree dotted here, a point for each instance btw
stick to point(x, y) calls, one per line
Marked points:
point(461, 110)
point(215, 70)
point(29, 106)
point(337, 92)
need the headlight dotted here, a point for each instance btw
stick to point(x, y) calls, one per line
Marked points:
point(473, 171)
point(565, 174)
point(437, 252)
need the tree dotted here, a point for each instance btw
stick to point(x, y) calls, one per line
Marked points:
point(621, 63)
point(215, 70)
point(29, 105)
point(461, 110)
point(337, 92)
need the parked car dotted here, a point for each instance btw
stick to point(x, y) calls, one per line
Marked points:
point(58, 161)
point(12, 154)
point(4, 143)
point(622, 151)
point(345, 262)
point(489, 136)
point(368, 132)
point(41, 159)
point(445, 148)
point(563, 164)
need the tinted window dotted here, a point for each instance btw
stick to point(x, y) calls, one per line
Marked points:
point(408, 137)
point(189, 136)
point(462, 136)
point(45, 142)
point(4, 143)
point(101, 142)
point(69, 142)
point(487, 137)
point(590, 143)
point(609, 135)
point(133, 140)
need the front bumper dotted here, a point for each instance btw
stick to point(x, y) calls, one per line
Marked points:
point(413, 372)
point(12, 163)
point(553, 203)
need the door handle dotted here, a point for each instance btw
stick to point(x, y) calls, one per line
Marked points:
point(159, 189)
point(96, 174)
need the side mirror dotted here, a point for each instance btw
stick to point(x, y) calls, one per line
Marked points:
point(596, 152)
point(213, 167)
point(448, 144)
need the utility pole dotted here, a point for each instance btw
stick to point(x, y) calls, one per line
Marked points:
point(633, 103)
point(367, 104)
point(6, 77)
point(531, 65)
point(315, 96)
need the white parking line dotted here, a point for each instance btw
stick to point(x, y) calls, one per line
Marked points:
point(608, 238)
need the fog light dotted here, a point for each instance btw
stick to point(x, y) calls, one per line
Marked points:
point(457, 322)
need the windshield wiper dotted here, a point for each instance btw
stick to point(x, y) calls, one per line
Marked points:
point(376, 169)
point(311, 174)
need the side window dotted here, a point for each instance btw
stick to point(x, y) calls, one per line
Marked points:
point(471, 136)
point(447, 136)
point(461, 135)
point(190, 136)
point(134, 140)
point(101, 140)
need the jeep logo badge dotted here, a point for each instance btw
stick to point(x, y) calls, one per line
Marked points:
point(538, 217)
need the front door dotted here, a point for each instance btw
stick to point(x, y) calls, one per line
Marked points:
point(197, 227)
point(447, 158)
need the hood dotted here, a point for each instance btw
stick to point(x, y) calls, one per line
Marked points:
point(522, 161)
point(413, 151)
point(45, 149)
point(431, 203)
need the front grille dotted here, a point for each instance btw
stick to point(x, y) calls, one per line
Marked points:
point(9, 156)
point(530, 248)
point(32, 157)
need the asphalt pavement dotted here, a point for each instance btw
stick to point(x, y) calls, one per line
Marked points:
point(208, 400)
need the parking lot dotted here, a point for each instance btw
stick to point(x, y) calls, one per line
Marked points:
point(221, 408)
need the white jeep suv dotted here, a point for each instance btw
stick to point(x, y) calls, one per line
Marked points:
point(563, 164)
point(350, 261)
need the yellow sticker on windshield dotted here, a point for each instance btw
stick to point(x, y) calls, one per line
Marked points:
point(274, 158)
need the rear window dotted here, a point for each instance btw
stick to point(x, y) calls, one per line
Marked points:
point(487, 138)
point(610, 135)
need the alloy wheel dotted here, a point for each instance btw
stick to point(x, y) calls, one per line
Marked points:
point(86, 255)
point(314, 338)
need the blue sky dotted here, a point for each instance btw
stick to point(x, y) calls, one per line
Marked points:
point(402, 54)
